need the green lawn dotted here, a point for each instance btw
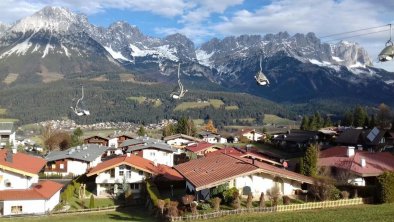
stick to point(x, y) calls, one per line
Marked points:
point(360, 213)
point(126, 214)
point(8, 120)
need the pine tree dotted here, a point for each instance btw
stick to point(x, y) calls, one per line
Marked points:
point(372, 122)
point(141, 131)
point(384, 116)
point(319, 121)
point(304, 123)
point(168, 130)
point(309, 161)
point(327, 121)
point(348, 119)
point(312, 125)
point(359, 116)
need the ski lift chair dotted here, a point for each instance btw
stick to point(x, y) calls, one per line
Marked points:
point(261, 79)
point(80, 111)
point(387, 53)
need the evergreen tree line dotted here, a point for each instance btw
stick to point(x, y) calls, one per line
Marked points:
point(315, 122)
point(359, 117)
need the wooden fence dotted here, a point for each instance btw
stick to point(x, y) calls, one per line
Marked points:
point(280, 208)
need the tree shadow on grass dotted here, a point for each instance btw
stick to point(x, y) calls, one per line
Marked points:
point(132, 213)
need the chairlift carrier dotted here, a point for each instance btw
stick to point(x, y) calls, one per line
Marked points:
point(261, 79)
point(181, 92)
point(387, 53)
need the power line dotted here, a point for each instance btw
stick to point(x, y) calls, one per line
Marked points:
point(359, 30)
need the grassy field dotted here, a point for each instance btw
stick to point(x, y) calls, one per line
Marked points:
point(139, 99)
point(190, 105)
point(231, 108)
point(274, 119)
point(127, 214)
point(3, 111)
point(216, 103)
point(8, 120)
point(360, 213)
point(11, 77)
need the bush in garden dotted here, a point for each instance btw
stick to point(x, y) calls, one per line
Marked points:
point(345, 194)
point(262, 200)
point(274, 195)
point(286, 200)
point(193, 207)
point(172, 210)
point(204, 206)
point(323, 189)
point(216, 203)
point(249, 201)
point(187, 200)
point(161, 204)
point(228, 195)
point(385, 188)
point(91, 202)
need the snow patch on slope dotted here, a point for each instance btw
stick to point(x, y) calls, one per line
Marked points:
point(203, 58)
point(19, 49)
point(115, 54)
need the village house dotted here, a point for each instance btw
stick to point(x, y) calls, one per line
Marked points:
point(213, 138)
point(354, 166)
point(7, 134)
point(103, 141)
point(74, 161)
point(150, 149)
point(376, 139)
point(247, 175)
point(128, 169)
point(20, 190)
point(201, 149)
point(179, 141)
point(251, 134)
point(298, 139)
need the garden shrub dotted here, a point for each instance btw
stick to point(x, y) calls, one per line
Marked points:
point(262, 200)
point(228, 195)
point(386, 187)
point(204, 206)
point(286, 200)
point(249, 201)
point(345, 194)
point(216, 203)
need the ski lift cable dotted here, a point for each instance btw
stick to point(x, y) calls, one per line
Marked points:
point(358, 30)
point(352, 36)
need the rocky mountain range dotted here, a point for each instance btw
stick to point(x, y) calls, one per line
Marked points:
point(57, 42)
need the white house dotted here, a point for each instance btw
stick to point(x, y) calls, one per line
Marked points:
point(74, 161)
point(128, 169)
point(7, 134)
point(180, 140)
point(39, 199)
point(252, 134)
point(151, 149)
point(248, 176)
point(20, 190)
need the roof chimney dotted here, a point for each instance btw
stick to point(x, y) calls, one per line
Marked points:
point(350, 151)
point(128, 154)
point(9, 157)
point(14, 150)
point(363, 163)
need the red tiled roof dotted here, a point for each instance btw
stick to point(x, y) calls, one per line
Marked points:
point(197, 147)
point(43, 190)
point(22, 163)
point(243, 153)
point(213, 170)
point(138, 163)
point(376, 163)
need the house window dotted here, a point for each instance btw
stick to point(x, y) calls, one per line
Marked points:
point(16, 209)
point(135, 186)
point(7, 183)
point(112, 173)
point(121, 170)
point(53, 166)
point(140, 173)
point(152, 154)
point(61, 166)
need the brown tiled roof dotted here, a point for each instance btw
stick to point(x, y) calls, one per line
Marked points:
point(376, 163)
point(43, 190)
point(214, 170)
point(197, 147)
point(21, 163)
point(138, 163)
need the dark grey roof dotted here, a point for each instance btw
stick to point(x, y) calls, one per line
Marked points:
point(350, 137)
point(159, 146)
point(87, 153)
point(181, 136)
point(7, 126)
point(141, 143)
point(140, 140)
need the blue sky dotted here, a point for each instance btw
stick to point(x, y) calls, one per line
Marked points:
point(201, 20)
